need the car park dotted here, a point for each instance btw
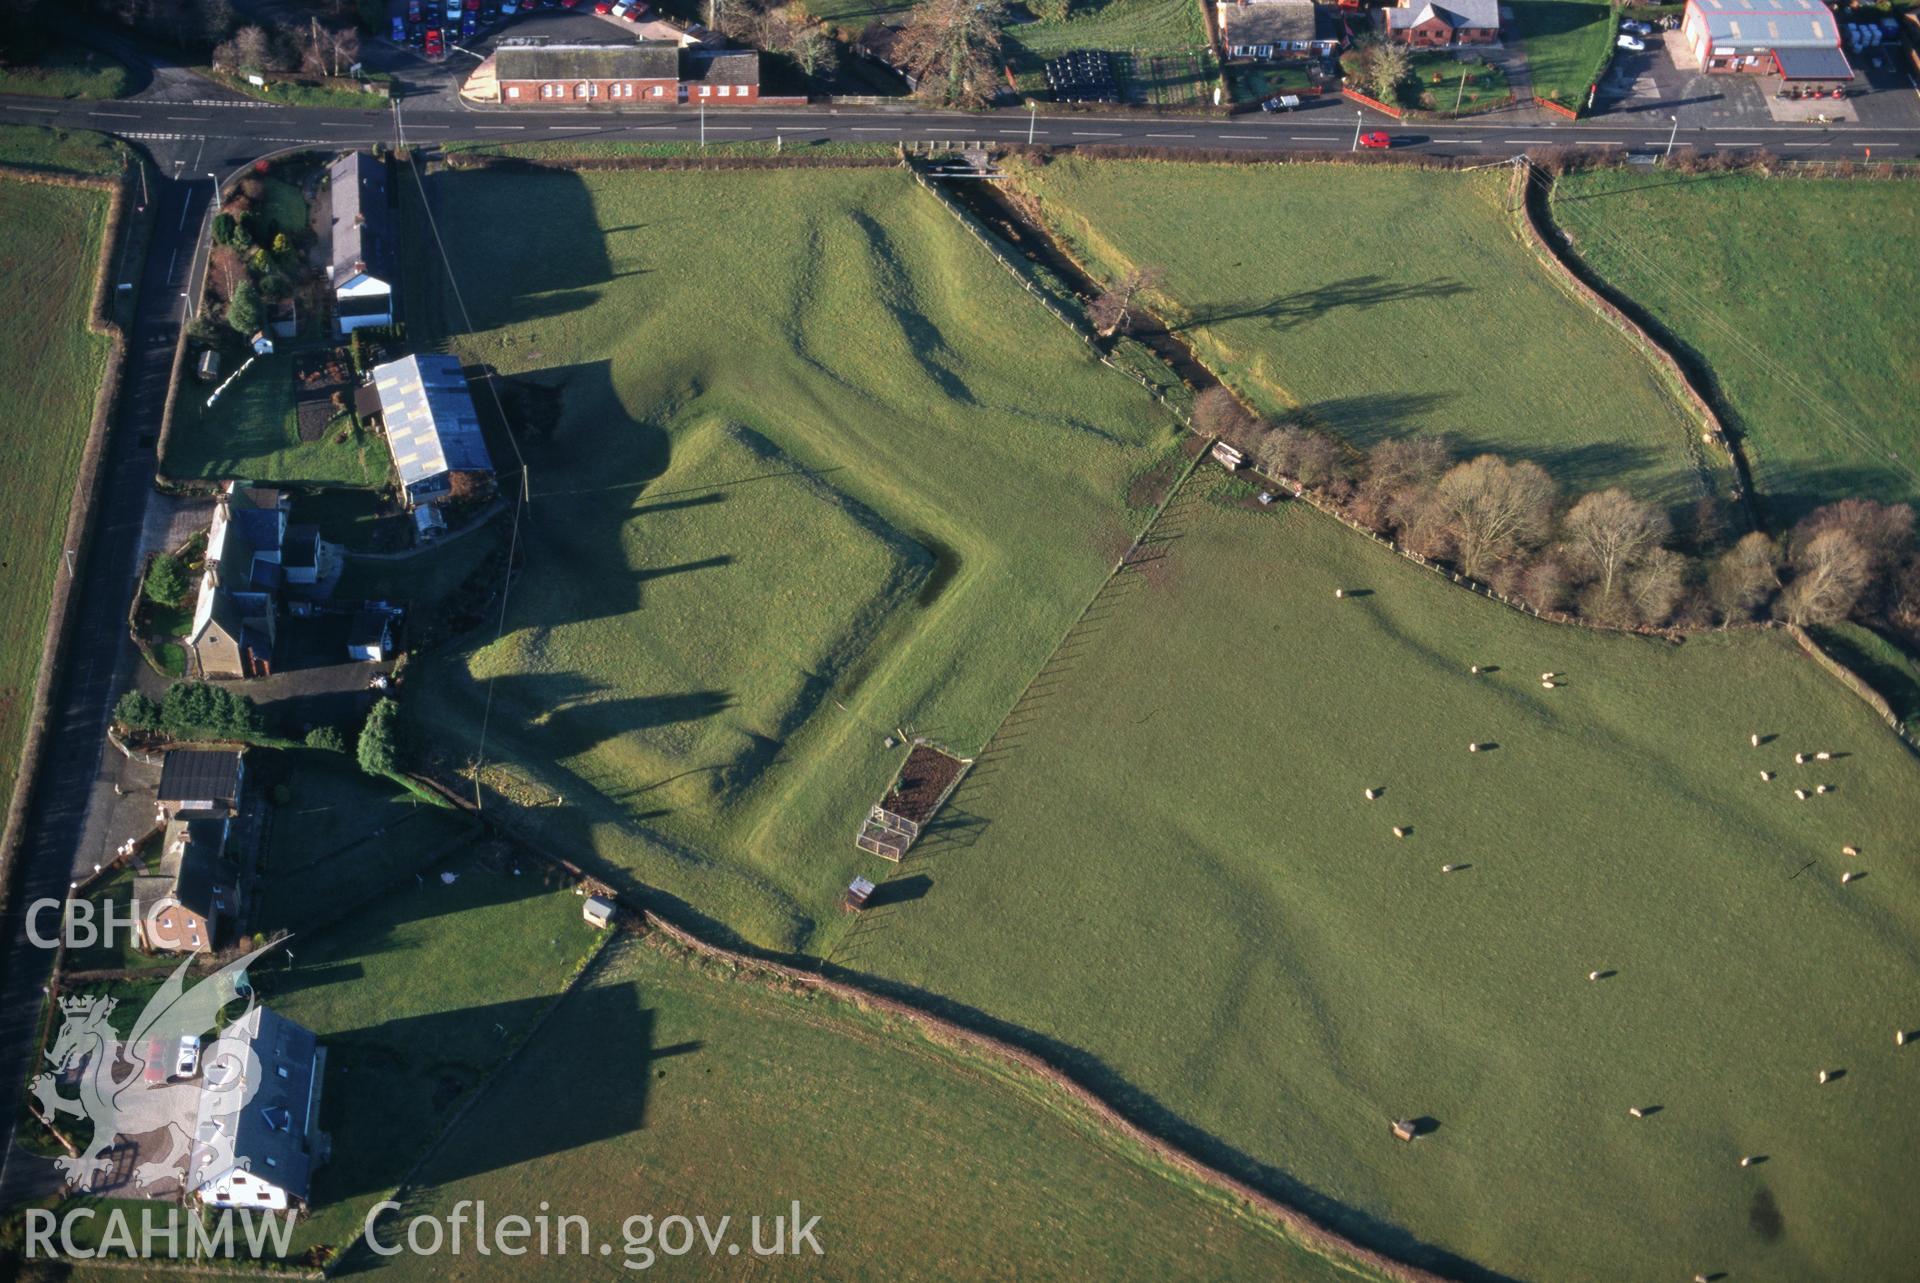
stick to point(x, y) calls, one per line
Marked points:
point(1376, 140)
point(1630, 42)
point(186, 1061)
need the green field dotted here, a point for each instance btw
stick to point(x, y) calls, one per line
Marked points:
point(1119, 26)
point(253, 431)
point(67, 71)
point(1826, 405)
point(1567, 42)
point(1166, 865)
point(1378, 302)
point(921, 1160)
point(61, 150)
point(777, 513)
point(51, 365)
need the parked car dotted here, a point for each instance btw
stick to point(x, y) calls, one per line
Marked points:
point(1376, 140)
point(603, 6)
point(156, 1070)
point(1633, 27)
point(1630, 42)
point(187, 1062)
point(413, 10)
point(469, 25)
point(620, 8)
point(636, 13)
point(434, 46)
point(399, 31)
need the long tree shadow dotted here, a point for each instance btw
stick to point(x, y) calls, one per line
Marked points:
point(1292, 310)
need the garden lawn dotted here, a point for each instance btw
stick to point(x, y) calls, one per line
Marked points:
point(253, 432)
point(1118, 26)
point(417, 997)
point(844, 478)
point(67, 71)
point(1378, 302)
point(51, 366)
point(1795, 304)
point(1567, 43)
point(1167, 866)
point(729, 1098)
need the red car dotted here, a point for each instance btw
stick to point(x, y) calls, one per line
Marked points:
point(603, 6)
point(636, 13)
point(1376, 140)
point(156, 1070)
point(434, 49)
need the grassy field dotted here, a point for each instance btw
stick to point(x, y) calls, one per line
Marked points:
point(61, 150)
point(67, 71)
point(253, 431)
point(1167, 863)
point(1567, 42)
point(51, 365)
point(777, 512)
point(922, 1160)
point(1825, 414)
point(1119, 26)
point(1379, 302)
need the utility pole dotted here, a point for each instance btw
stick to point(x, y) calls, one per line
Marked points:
point(1670, 137)
point(1461, 94)
point(703, 124)
point(1358, 118)
point(1033, 118)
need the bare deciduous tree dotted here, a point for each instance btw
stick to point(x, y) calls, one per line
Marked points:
point(1218, 413)
point(1610, 531)
point(1113, 311)
point(1656, 585)
point(1744, 577)
point(949, 46)
point(1490, 509)
point(1399, 474)
point(1830, 571)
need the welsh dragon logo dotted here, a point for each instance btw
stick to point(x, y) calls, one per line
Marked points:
point(118, 1095)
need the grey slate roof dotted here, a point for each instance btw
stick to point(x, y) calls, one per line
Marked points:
point(192, 863)
point(1270, 23)
point(1813, 64)
point(733, 67)
point(646, 60)
point(269, 1133)
point(1772, 23)
point(200, 775)
point(363, 239)
point(1455, 13)
point(431, 425)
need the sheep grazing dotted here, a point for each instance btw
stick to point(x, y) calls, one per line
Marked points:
point(1547, 677)
point(1802, 794)
point(1765, 776)
point(1899, 1037)
point(1746, 1160)
point(1826, 1076)
point(1799, 759)
point(1398, 831)
point(1550, 685)
point(1450, 868)
point(1339, 592)
point(1850, 850)
point(1475, 670)
point(1849, 876)
point(1754, 739)
point(1637, 1112)
point(1823, 788)
point(1372, 794)
point(1593, 975)
point(1823, 756)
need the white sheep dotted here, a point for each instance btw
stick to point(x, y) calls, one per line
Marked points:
point(1826, 1076)
point(1550, 685)
point(1899, 1037)
point(1475, 669)
point(1823, 756)
point(1823, 788)
point(1754, 739)
point(1398, 831)
point(1849, 876)
point(1746, 1160)
point(1372, 794)
point(1802, 794)
point(1593, 975)
point(1547, 677)
point(1339, 592)
point(1799, 759)
point(1849, 849)
point(1765, 776)
point(1450, 868)
point(1636, 1111)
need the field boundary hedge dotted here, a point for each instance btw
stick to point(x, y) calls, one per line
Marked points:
point(1544, 239)
point(85, 491)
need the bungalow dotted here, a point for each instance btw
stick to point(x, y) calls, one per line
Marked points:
point(257, 1132)
point(432, 428)
point(253, 550)
point(182, 905)
point(1797, 39)
point(365, 261)
point(202, 783)
point(731, 75)
point(1430, 23)
point(1275, 29)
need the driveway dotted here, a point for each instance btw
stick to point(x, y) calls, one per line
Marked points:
point(1664, 80)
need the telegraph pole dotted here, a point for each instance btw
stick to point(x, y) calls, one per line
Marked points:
point(1461, 94)
point(1359, 117)
point(1670, 137)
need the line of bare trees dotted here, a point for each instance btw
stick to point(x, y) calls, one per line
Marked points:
point(1606, 555)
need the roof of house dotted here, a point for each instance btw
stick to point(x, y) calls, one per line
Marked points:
point(1270, 23)
point(645, 60)
point(1813, 64)
point(301, 548)
point(1806, 23)
point(200, 775)
point(363, 240)
point(370, 628)
point(431, 425)
point(732, 67)
point(266, 1130)
point(192, 865)
point(1476, 14)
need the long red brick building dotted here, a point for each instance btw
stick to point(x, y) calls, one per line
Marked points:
point(649, 73)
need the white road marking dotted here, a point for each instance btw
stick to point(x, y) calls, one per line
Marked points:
point(1599, 142)
point(876, 129)
point(729, 129)
point(411, 125)
point(1254, 137)
point(1083, 133)
point(113, 115)
point(478, 127)
point(584, 128)
point(1529, 140)
point(198, 119)
point(1312, 138)
point(1803, 144)
point(1718, 143)
point(42, 111)
point(1169, 135)
point(641, 129)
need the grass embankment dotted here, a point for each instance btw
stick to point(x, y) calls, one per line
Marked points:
point(61, 151)
point(1568, 42)
point(1380, 302)
point(51, 366)
point(613, 149)
point(739, 1099)
point(1170, 866)
point(779, 509)
point(294, 94)
point(67, 70)
point(1794, 303)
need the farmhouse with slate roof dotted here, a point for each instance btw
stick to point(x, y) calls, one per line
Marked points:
point(253, 551)
point(1798, 39)
point(365, 259)
point(257, 1138)
point(181, 906)
point(431, 426)
point(1443, 22)
point(1275, 29)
